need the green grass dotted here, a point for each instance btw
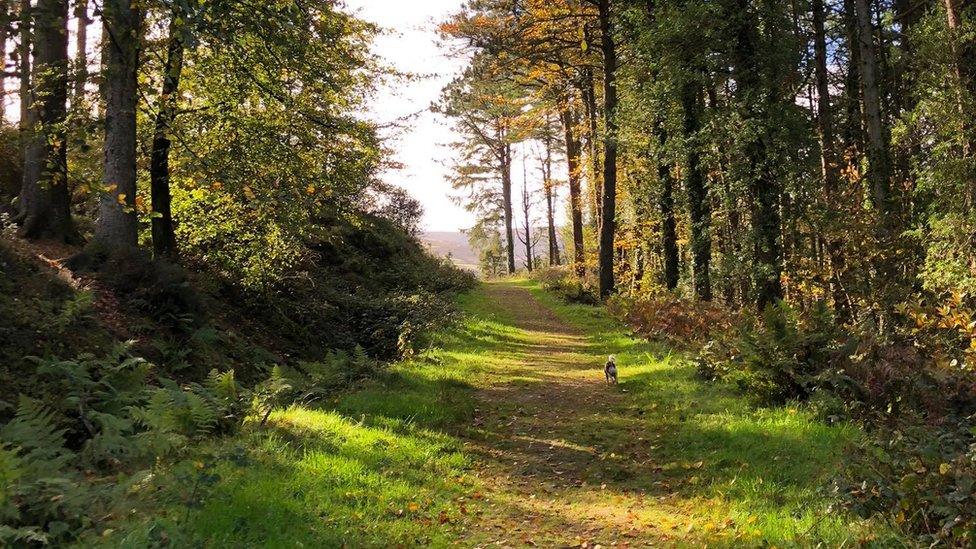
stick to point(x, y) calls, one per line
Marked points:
point(766, 470)
point(393, 462)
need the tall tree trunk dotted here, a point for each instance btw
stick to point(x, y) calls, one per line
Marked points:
point(879, 163)
point(879, 169)
point(81, 51)
point(163, 231)
point(699, 209)
point(549, 187)
point(5, 17)
point(506, 168)
point(755, 97)
point(596, 182)
point(527, 221)
point(830, 167)
point(669, 231)
point(24, 65)
point(853, 130)
point(963, 49)
point(45, 196)
point(122, 25)
point(609, 205)
point(573, 150)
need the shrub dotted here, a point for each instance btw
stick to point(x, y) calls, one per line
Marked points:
point(98, 415)
point(778, 357)
point(667, 317)
point(562, 282)
point(923, 478)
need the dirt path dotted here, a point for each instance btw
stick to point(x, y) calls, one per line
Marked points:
point(563, 455)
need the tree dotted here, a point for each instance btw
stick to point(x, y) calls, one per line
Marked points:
point(487, 111)
point(122, 25)
point(549, 187)
point(573, 154)
point(163, 230)
point(963, 47)
point(45, 199)
point(81, 51)
point(526, 235)
point(609, 199)
point(830, 166)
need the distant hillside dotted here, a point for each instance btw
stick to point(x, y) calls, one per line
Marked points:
point(453, 244)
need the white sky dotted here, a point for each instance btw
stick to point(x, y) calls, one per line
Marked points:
point(410, 44)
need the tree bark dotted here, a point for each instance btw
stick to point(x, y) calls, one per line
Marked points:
point(669, 230)
point(122, 25)
point(506, 168)
point(699, 208)
point(853, 130)
point(24, 62)
point(609, 202)
point(830, 167)
point(879, 160)
point(755, 97)
point(964, 59)
point(45, 197)
point(573, 151)
point(596, 183)
point(163, 230)
point(81, 51)
point(549, 186)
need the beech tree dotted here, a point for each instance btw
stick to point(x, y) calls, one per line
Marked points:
point(45, 200)
point(122, 26)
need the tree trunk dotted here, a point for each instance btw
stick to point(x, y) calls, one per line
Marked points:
point(506, 167)
point(24, 58)
point(596, 184)
point(163, 231)
point(116, 229)
point(45, 197)
point(669, 231)
point(764, 189)
point(879, 169)
point(853, 130)
point(609, 204)
point(527, 222)
point(699, 209)
point(830, 167)
point(964, 58)
point(548, 185)
point(4, 35)
point(573, 150)
point(81, 51)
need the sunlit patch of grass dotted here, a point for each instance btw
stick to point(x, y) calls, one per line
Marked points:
point(744, 476)
point(673, 459)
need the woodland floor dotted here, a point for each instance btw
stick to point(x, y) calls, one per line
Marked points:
point(507, 436)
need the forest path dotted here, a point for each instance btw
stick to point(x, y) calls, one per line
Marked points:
point(566, 459)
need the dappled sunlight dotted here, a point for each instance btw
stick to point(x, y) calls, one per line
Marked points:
point(506, 433)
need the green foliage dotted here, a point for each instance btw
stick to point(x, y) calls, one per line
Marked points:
point(565, 284)
point(922, 477)
point(778, 358)
point(42, 499)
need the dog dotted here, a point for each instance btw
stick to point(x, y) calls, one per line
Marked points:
point(610, 370)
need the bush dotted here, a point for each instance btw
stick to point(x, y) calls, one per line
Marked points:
point(780, 357)
point(924, 478)
point(669, 318)
point(97, 416)
point(565, 284)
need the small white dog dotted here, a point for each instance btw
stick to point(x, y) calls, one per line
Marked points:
point(611, 370)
